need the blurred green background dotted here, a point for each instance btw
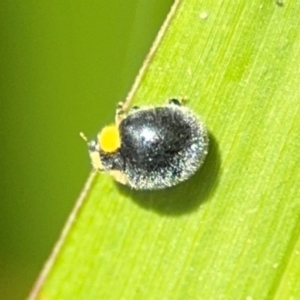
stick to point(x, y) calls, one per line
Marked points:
point(64, 65)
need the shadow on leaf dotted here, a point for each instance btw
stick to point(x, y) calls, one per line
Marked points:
point(185, 197)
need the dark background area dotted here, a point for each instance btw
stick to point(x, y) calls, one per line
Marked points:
point(64, 66)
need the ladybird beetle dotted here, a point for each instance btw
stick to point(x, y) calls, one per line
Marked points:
point(151, 148)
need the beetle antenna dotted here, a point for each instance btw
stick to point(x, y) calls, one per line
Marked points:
point(82, 135)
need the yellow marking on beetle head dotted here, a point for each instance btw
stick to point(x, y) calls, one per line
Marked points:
point(109, 138)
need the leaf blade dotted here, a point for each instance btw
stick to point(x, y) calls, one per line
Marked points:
point(233, 240)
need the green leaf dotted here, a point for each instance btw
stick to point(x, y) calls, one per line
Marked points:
point(232, 231)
